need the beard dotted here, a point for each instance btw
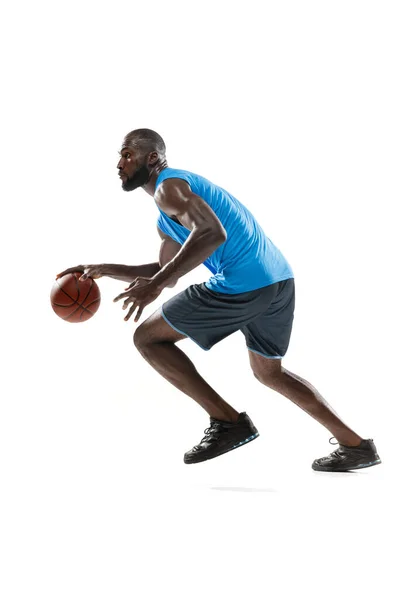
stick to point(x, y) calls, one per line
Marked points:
point(139, 178)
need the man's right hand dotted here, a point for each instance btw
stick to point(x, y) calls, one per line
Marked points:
point(93, 271)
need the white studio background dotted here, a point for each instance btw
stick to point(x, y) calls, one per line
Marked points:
point(293, 107)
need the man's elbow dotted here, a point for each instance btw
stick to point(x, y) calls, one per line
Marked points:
point(172, 283)
point(219, 235)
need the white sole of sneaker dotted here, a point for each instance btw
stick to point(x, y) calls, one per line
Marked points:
point(362, 466)
point(246, 441)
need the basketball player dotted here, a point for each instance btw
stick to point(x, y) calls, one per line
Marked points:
point(251, 289)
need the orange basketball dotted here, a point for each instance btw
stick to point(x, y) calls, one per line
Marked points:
point(74, 300)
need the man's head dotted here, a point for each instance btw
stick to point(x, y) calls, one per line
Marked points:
point(142, 150)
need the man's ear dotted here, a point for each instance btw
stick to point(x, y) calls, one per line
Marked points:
point(153, 158)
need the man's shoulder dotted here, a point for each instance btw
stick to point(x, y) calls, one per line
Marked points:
point(169, 179)
point(199, 184)
point(171, 173)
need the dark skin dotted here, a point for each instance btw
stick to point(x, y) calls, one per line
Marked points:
point(175, 198)
point(155, 339)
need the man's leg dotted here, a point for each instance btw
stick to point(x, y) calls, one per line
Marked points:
point(270, 372)
point(155, 340)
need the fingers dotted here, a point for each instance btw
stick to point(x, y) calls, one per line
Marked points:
point(86, 274)
point(120, 296)
point(129, 299)
point(128, 292)
point(92, 271)
point(78, 269)
point(87, 271)
point(135, 304)
point(131, 285)
point(131, 310)
point(139, 313)
point(136, 294)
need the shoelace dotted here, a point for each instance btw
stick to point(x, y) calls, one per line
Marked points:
point(336, 453)
point(340, 451)
point(214, 428)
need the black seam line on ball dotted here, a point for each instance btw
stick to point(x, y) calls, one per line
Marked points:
point(74, 311)
point(82, 313)
point(66, 293)
point(90, 289)
point(77, 286)
point(63, 305)
point(92, 302)
point(75, 301)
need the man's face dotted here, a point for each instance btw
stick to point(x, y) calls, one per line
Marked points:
point(133, 169)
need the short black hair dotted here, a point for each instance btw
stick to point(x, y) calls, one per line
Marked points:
point(146, 140)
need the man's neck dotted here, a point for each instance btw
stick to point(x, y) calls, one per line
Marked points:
point(150, 186)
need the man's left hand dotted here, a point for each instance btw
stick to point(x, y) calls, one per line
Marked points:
point(140, 292)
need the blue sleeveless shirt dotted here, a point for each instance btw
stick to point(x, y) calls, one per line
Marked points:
point(247, 260)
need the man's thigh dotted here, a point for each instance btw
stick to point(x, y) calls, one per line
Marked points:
point(155, 329)
point(207, 317)
point(269, 334)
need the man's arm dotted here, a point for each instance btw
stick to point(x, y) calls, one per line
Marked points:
point(168, 249)
point(121, 272)
point(127, 273)
point(175, 198)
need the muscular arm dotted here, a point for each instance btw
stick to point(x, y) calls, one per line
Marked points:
point(126, 273)
point(168, 249)
point(121, 272)
point(175, 198)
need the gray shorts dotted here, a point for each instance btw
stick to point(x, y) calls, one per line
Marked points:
point(264, 316)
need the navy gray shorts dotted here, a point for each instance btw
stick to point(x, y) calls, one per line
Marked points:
point(264, 316)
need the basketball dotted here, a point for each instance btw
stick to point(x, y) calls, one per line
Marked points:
point(73, 300)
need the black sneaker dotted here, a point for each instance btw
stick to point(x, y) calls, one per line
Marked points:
point(347, 458)
point(221, 437)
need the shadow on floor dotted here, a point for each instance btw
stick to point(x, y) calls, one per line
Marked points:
point(241, 489)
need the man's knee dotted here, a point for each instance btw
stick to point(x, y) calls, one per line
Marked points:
point(155, 330)
point(269, 377)
point(141, 336)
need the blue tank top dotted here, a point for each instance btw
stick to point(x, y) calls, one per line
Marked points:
point(247, 260)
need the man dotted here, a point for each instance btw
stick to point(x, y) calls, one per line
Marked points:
point(251, 289)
